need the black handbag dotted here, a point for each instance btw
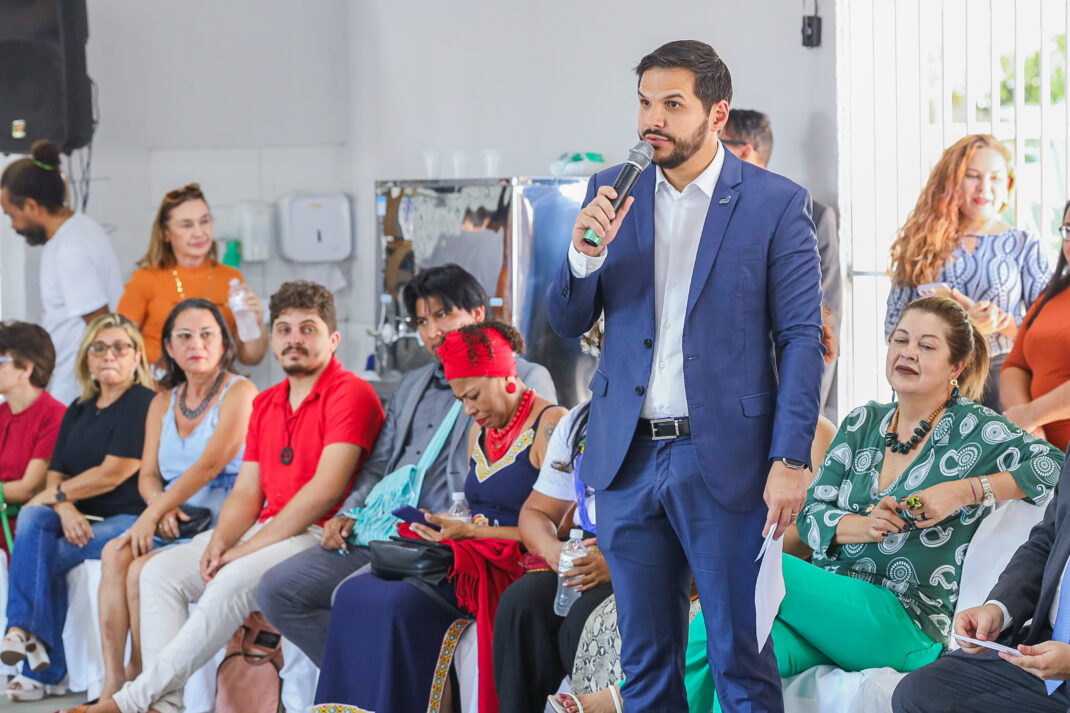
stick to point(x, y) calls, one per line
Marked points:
point(404, 557)
point(200, 519)
point(423, 564)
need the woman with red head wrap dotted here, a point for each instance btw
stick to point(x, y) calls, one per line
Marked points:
point(408, 638)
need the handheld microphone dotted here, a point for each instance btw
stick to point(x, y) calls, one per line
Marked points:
point(638, 159)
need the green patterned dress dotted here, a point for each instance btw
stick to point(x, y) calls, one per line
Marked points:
point(922, 567)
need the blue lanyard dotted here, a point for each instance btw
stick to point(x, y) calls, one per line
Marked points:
point(581, 496)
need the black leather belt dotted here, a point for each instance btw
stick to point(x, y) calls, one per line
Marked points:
point(663, 429)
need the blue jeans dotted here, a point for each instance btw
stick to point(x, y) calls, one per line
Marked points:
point(37, 593)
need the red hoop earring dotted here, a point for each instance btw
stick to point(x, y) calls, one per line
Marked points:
point(510, 388)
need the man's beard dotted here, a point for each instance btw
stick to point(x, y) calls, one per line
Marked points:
point(35, 235)
point(682, 149)
point(298, 369)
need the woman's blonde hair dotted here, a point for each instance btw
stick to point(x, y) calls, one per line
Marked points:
point(964, 340)
point(160, 253)
point(90, 387)
point(932, 230)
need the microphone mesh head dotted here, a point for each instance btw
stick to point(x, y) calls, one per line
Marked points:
point(641, 154)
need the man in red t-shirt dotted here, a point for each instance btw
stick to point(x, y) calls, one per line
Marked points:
point(306, 438)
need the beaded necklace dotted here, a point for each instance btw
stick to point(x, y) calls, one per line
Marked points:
point(194, 413)
point(891, 438)
point(499, 440)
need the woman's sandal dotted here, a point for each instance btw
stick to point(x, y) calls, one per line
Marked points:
point(19, 645)
point(559, 707)
point(13, 647)
point(31, 690)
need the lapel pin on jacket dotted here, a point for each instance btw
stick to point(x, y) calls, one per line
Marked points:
point(725, 200)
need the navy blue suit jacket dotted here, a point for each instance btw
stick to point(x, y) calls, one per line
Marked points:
point(755, 288)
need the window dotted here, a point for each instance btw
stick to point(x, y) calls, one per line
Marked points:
point(914, 76)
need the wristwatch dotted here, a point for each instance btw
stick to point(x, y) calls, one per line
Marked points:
point(989, 498)
point(61, 497)
point(792, 463)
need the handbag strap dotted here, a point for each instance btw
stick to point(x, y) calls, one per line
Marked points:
point(435, 446)
point(430, 591)
point(7, 525)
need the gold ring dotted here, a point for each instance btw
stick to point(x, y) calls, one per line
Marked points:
point(794, 517)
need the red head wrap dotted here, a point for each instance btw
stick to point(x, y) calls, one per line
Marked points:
point(492, 355)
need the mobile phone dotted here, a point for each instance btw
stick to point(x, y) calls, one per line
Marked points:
point(410, 514)
point(935, 289)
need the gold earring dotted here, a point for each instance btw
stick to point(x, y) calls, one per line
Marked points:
point(954, 383)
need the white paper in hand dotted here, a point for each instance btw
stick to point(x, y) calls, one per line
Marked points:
point(989, 645)
point(769, 589)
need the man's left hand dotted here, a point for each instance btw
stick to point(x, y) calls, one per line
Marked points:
point(1049, 660)
point(785, 495)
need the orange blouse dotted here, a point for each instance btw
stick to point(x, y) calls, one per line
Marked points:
point(153, 292)
point(1044, 351)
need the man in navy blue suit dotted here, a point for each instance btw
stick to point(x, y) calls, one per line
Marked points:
point(706, 397)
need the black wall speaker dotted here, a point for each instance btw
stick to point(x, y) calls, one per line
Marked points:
point(45, 92)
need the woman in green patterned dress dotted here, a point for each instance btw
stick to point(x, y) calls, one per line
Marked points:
point(889, 517)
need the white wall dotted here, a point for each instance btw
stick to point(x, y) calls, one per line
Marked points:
point(257, 98)
point(539, 78)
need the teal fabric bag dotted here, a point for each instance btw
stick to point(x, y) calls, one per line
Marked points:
point(376, 521)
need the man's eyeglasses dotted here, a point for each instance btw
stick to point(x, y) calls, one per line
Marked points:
point(119, 349)
point(184, 337)
point(1064, 231)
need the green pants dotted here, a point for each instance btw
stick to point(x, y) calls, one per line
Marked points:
point(825, 618)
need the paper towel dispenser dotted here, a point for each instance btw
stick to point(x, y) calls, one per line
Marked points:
point(315, 227)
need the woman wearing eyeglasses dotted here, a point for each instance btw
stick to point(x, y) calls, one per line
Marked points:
point(182, 262)
point(1035, 379)
point(194, 440)
point(89, 498)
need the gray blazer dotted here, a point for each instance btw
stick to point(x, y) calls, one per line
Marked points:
point(390, 444)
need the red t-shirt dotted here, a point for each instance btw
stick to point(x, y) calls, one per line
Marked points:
point(342, 408)
point(28, 435)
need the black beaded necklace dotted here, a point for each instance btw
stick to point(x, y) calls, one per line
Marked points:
point(891, 438)
point(194, 413)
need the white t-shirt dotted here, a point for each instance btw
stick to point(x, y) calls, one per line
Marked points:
point(554, 482)
point(79, 274)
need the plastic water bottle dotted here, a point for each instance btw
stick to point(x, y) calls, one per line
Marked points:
point(459, 508)
point(573, 550)
point(248, 326)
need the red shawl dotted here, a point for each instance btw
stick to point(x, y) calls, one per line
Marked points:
point(482, 569)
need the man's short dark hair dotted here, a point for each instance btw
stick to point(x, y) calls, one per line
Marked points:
point(753, 128)
point(28, 343)
point(304, 295)
point(713, 82)
point(454, 287)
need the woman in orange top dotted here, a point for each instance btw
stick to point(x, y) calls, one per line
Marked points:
point(182, 262)
point(1035, 380)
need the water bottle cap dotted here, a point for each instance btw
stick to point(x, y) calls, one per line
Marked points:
point(457, 497)
point(575, 533)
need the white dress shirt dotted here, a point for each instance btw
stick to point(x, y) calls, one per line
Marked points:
point(678, 220)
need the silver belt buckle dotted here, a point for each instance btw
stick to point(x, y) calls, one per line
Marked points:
point(654, 423)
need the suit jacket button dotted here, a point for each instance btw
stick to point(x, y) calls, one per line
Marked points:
point(639, 391)
point(648, 342)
